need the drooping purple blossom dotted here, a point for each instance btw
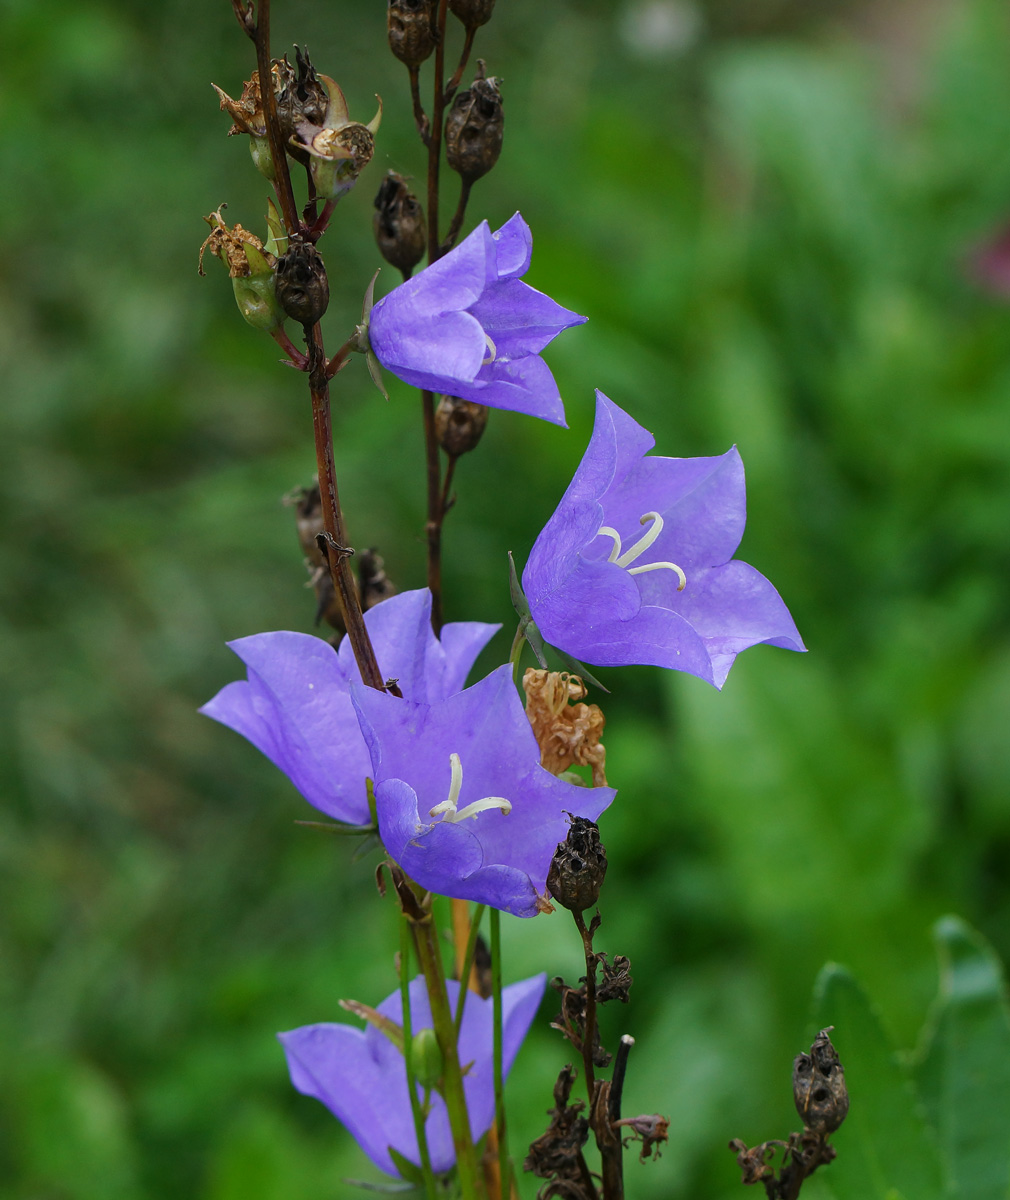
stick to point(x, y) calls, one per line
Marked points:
point(636, 564)
point(360, 1075)
point(295, 705)
point(463, 803)
point(467, 326)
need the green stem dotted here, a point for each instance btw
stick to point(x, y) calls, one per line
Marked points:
point(516, 653)
point(430, 1186)
point(468, 957)
point(504, 1164)
point(430, 957)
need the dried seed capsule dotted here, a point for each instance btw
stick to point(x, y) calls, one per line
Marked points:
point(459, 424)
point(819, 1090)
point(474, 128)
point(399, 224)
point(412, 29)
point(578, 867)
point(303, 290)
point(302, 98)
point(473, 13)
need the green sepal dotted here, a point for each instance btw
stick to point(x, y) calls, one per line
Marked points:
point(410, 1171)
point(387, 1189)
point(535, 639)
point(258, 265)
point(384, 1025)
point(368, 844)
point(277, 242)
point(375, 371)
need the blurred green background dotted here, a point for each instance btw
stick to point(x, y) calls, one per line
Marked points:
point(764, 206)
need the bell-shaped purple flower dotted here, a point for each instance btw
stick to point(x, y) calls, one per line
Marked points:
point(636, 564)
point(360, 1075)
point(467, 326)
point(463, 803)
point(295, 705)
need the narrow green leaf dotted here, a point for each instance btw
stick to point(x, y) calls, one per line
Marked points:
point(885, 1149)
point(963, 1068)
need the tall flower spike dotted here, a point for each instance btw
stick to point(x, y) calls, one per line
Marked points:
point(466, 326)
point(295, 704)
point(464, 805)
point(361, 1078)
point(636, 566)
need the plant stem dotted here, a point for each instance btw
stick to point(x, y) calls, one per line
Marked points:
point(408, 1056)
point(436, 511)
point(589, 1037)
point(467, 965)
point(430, 956)
point(336, 549)
point(457, 75)
point(504, 1164)
point(282, 180)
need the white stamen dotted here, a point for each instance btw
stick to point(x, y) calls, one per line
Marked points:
point(611, 533)
point(661, 566)
point(494, 351)
point(645, 541)
point(639, 548)
point(447, 809)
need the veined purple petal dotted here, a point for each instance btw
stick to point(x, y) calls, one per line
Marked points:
point(295, 707)
point(361, 1076)
point(635, 565)
point(495, 857)
point(513, 248)
point(467, 327)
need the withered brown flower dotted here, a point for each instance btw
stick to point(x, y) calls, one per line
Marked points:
point(568, 732)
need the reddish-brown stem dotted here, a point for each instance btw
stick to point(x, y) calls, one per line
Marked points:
point(336, 549)
point(282, 180)
point(446, 503)
point(339, 360)
point(318, 228)
point(457, 75)
point(433, 527)
point(589, 1037)
point(298, 359)
point(420, 116)
point(458, 217)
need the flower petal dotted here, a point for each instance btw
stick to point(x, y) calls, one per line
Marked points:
point(520, 320)
point(513, 248)
point(294, 708)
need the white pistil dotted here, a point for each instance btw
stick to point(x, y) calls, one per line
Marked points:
point(447, 809)
point(492, 348)
point(639, 548)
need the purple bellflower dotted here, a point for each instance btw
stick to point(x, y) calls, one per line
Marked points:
point(295, 705)
point(463, 803)
point(361, 1077)
point(636, 566)
point(466, 326)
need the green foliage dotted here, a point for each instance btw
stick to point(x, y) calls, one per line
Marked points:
point(768, 234)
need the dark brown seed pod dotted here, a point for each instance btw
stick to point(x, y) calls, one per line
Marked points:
point(474, 128)
point(301, 98)
point(473, 13)
point(412, 29)
point(399, 224)
point(578, 867)
point(819, 1090)
point(303, 290)
point(459, 424)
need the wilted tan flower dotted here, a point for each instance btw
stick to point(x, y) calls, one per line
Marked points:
point(568, 732)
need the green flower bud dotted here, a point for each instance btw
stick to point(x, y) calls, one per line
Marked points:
point(427, 1057)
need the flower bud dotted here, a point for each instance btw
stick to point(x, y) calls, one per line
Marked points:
point(819, 1090)
point(302, 287)
point(474, 127)
point(427, 1057)
point(578, 867)
point(412, 29)
point(473, 13)
point(399, 224)
point(459, 424)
